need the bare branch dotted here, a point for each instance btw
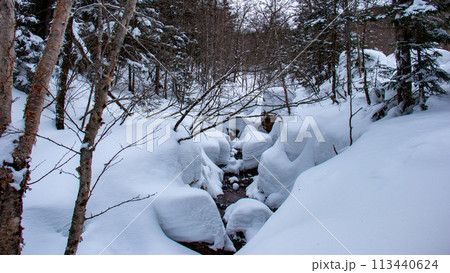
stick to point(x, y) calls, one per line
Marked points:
point(134, 199)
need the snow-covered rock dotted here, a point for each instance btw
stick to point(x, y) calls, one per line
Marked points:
point(234, 166)
point(217, 146)
point(277, 174)
point(190, 215)
point(210, 177)
point(196, 167)
point(253, 143)
point(246, 216)
point(233, 179)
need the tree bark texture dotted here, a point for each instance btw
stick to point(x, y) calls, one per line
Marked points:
point(92, 128)
point(11, 195)
point(7, 60)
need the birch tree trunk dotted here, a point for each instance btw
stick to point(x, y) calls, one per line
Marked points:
point(7, 60)
point(92, 128)
point(12, 191)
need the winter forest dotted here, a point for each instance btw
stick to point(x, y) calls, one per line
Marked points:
point(224, 127)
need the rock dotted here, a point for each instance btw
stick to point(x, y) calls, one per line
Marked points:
point(246, 216)
point(190, 215)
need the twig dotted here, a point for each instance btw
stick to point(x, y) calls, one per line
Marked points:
point(134, 199)
point(56, 167)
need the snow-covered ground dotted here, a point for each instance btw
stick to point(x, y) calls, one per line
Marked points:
point(386, 194)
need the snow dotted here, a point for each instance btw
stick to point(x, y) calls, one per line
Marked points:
point(386, 194)
point(233, 179)
point(234, 166)
point(277, 174)
point(235, 186)
point(48, 205)
point(246, 216)
point(190, 215)
point(253, 143)
point(216, 145)
point(303, 142)
point(419, 6)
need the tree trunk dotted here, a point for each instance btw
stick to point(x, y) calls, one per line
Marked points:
point(366, 89)
point(422, 98)
point(11, 195)
point(7, 60)
point(286, 98)
point(10, 198)
point(63, 77)
point(130, 79)
point(157, 76)
point(348, 49)
point(403, 58)
point(92, 128)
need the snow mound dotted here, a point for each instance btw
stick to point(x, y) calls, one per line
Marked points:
point(253, 144)
point(301, 143)
point(195, 166)
point(190, 215)
point(277, 174)
point(246, 216)
point(234, 166)
point(217, 146)
point(210, 178)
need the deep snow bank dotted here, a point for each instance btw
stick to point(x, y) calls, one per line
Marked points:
point(386, 194)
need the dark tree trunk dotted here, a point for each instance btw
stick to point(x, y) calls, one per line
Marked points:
point(44, 13)
point(130, 79)
point(64, 77)
point(157, 76)
point(92, 128)
point(286, 97)
point(366, 89)
point(403, 57)
point(11, 195)
point(348, 48)
point(422, 98)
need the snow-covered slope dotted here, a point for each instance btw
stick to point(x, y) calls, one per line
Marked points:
point(133, 228)
point(386, 194)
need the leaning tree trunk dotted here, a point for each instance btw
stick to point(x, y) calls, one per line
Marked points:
point(7, 60)
point(92, 128)
point(12, 191)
